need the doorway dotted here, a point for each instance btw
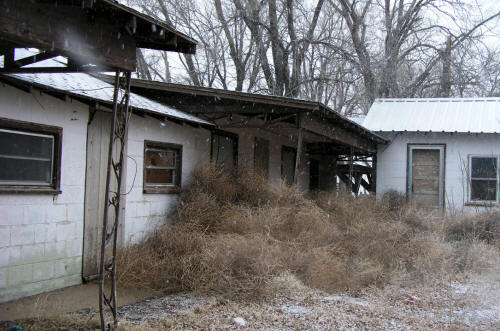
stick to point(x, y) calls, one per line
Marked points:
point(425, 185)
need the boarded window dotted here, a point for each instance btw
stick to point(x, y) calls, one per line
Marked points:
point(483, 178)
point(288, 156)
point(224, 149)
point(162, 167)
point(28, 156)
point(261, 155)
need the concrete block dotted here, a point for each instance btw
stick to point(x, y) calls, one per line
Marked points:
point(70, 194)
point(130, 209)
point(10, 215)
point(74, 266)
point(18, 275)
point(43, 271)
point(51, 232)
point(134, 148)
point(56, 213)
point(4, 256)
point(41, 233)
point(60, 268)
point(65, 230)
point(32, 253)
point(3, 277)
point(4, 236)
point(74, 248)
point(22, 235)
point(54, 251)
point(68, 267)
point(143, 209)
point(79, 227)
point(74, 177)
point(15, 257)
point(34, 214)
point(61, 249)
point(75, 212)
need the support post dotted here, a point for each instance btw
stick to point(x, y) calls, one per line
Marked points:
point(298, 156)
point(351, 168)
point(110, 220)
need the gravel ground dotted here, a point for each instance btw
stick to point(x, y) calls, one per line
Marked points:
point(472, 303)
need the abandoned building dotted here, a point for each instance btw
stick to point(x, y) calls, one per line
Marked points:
point(442, 153)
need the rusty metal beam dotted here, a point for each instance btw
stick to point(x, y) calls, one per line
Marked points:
point(111, 215)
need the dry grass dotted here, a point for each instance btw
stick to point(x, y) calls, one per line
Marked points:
point(234, 234)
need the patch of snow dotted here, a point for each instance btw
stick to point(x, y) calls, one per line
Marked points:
point(295, 309)
point(239, 321)
point(459, 288)
point(347, 299)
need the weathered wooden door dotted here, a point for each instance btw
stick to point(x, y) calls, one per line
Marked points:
point(426, 181)
point(95, 186)
point(261, 155)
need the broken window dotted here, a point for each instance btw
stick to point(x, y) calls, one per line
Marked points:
point(162, 167)
point(483, 178)
point(261, 155)
point(29, 156)
point(224, 149)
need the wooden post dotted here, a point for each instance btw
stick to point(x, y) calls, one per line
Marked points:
point(351, 168)
point(298, 156)
point(373, 182)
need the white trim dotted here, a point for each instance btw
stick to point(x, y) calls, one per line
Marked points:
point(469, 179)
point(441, 149)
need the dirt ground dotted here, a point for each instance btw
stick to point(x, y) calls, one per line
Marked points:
point(65, 300)
point(471, 303)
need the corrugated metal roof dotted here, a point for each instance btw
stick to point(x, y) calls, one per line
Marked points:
point(475, 115)
point(84, 85)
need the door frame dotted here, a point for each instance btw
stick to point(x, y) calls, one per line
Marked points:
point(442, 161)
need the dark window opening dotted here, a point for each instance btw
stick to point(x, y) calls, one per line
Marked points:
point(313, 174)
point(484, 179)
point(261, 156)
point(29, 157)
point(224, 152)
point(162, 167)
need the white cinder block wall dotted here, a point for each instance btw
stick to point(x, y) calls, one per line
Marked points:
point(41, 234)
point(392, 161)
point(144, 211)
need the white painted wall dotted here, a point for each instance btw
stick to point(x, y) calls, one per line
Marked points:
point(392, 161)
point(144, 211)
point(41, 234)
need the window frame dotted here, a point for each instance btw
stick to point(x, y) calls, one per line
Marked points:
point(442, 169)
point(43, 130)
point(256, 142)
point(470, 179)
point(164, 188)
point(229, 135)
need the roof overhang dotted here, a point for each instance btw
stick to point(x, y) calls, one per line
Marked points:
point(95, 35)
point(100, 104)
point(232, 110)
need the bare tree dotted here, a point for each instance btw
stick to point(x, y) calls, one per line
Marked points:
point(409, 37)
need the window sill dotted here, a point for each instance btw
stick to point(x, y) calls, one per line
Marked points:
point(162, 190)
point(29, 190)
point(482, 204)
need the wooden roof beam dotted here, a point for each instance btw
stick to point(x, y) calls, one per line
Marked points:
point(337, 134)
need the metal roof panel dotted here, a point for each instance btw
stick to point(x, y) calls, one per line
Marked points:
point(475, 115)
